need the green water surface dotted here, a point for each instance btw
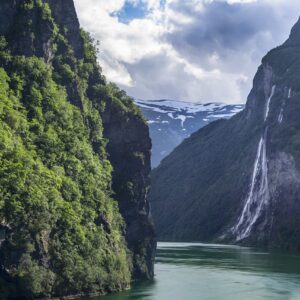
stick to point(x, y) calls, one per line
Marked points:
point(212, 272)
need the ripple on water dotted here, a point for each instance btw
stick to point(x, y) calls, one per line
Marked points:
point(196, 271)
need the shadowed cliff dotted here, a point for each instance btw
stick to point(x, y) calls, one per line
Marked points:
point(237, 180)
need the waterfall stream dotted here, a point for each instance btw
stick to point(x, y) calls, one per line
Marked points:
point(290, 93)
point(280, 117)
point(268, 103)
point(259, 195)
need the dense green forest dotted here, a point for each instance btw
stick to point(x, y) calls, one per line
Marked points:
point(61, 232)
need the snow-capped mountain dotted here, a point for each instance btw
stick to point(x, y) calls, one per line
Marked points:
point(172, 121)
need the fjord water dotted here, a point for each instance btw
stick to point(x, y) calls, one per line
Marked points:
point(217, 272)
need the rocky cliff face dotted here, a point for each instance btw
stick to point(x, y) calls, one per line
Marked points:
point(129, 152)
point(238, 180)
point(18, 24)
point(49, 30)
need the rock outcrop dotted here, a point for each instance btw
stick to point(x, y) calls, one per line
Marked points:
point(129, 152)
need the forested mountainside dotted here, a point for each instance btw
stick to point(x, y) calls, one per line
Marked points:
point(74, 162)
point(170, 122)
point(238, 180)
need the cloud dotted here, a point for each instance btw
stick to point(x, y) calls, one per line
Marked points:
point(192, 50)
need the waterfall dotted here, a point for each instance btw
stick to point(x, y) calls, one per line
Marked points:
point(259, 195)
point(280, 117)
point(268, 103)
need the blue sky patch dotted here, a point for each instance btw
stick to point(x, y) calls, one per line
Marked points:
point(130, 11)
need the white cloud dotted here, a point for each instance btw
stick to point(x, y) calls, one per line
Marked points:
point(198, 50)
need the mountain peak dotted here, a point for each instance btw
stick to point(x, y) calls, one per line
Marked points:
point(294, 38)
point(172, 121)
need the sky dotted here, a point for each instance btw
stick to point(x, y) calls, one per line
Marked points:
point(188, 50)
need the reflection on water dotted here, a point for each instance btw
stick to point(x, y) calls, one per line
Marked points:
point(212, 272)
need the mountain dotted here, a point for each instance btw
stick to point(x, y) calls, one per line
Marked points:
point(171, 122)
point(238, 180)
point(74, 162)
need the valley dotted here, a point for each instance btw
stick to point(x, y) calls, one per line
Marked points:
point(107, 196)
point(170, 122)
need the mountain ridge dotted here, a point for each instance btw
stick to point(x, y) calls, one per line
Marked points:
point(236, 180)
point(172, 121)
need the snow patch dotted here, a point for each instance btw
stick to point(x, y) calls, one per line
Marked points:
point(170, 106)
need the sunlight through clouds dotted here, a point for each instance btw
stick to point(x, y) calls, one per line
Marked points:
point(194, 50)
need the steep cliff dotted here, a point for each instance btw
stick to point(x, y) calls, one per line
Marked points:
point(70, 143)
point(238, 180)
point(129, 147)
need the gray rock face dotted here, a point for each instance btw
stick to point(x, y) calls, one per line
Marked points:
point(65, 16)
point(294, 39)
point(238, 180)
point(8, 10)
point(129, 149)
point(14, 26)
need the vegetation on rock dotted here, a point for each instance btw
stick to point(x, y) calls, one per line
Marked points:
point(61, 231)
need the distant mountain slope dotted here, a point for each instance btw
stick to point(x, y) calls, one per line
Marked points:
point(172, 121)
point(238, 180)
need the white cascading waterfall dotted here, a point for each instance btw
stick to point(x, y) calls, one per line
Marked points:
point(268, 103)
point(290, 93)
point(280, 117)
point(259, 195)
